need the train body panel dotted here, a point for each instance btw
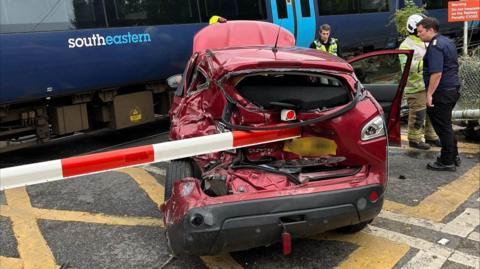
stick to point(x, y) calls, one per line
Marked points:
point(41, 64)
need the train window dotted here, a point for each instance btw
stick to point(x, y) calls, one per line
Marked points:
point(305, 8)
point(336, 7)
point(436, 4)
point(282, 9)
point(367, 6)
point(49, 15)
point(88, 14)
point(134, 13)
point(233, 9)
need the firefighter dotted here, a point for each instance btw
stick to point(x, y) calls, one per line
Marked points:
point(214, 19)
point(440, 74)
point(325, 42)
point(419, 126)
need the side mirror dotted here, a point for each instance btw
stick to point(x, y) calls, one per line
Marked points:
point(174, 81)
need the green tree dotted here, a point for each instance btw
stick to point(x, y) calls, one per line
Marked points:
point(401, 16)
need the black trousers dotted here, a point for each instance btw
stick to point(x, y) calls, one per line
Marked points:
point(441, 117)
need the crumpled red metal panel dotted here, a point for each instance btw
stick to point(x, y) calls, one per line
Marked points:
point(241, 34)
point(250, 180)
point(188, 194)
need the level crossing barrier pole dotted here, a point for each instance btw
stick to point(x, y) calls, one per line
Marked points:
point(41, 172)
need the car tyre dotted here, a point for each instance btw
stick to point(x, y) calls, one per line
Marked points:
point(177, 170)
point(355, 228)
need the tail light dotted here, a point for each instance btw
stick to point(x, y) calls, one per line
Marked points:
point(373, 129)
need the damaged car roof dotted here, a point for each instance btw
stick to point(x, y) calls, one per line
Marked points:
point(238, 45)
point(233, 59)
point(242, 34)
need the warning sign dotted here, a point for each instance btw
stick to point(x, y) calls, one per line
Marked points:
point(466, 10)
point(135, 115)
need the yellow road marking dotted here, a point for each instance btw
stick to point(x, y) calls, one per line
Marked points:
point(444, 201)
point(373, 252)
point(32, 247)
point(156, 192)
point(10, 263)
point(78, 216)
point(463, 147)
point(148, 183)
point(224, 261)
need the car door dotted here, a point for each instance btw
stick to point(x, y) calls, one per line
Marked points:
point(384, 76)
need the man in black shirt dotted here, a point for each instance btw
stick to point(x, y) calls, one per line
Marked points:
point(440, 74)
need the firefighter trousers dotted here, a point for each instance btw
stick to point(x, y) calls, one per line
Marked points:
point(419, 125)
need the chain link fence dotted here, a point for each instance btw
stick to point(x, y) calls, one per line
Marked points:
point(470, 78)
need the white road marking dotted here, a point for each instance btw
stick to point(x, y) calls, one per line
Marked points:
point(154, 169)
point(463, 258)
point(425, 260)
point(474, 236)
point(464, 224)
point(411, 220)
point(431, 248)
point(461, 226)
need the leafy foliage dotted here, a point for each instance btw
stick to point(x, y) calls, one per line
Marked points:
point(401, 16)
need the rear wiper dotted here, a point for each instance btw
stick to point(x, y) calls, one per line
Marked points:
point(283, 105)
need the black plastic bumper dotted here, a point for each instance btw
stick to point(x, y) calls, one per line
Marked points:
point(247, 224)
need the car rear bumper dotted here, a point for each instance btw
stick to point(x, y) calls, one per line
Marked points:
point(242, 225)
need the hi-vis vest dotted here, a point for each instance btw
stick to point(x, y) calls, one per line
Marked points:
point(415, 79)
point(332, 49)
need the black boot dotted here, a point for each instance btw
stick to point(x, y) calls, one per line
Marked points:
point(434, 143)
point(438, 166)
point(419, 145)
point(457, 161)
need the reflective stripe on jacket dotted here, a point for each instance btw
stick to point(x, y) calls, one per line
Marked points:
point(415, 78)
point(332, 48)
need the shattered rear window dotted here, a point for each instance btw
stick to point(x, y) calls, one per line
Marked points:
point(297, 91)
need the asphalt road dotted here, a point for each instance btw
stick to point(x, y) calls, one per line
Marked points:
point(111, 220)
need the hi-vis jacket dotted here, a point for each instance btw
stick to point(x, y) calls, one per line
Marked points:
point(332, 46)
point(415, 78)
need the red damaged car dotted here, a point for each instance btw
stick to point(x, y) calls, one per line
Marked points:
point(248, 75)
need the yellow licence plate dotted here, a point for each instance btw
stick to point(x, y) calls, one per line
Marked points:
point(311, 146)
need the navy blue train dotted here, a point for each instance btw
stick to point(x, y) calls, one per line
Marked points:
point(70, 66)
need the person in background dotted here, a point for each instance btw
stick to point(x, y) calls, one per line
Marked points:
point(214, 19)
point(325, 42)
point(440, 74)
point(419, 125)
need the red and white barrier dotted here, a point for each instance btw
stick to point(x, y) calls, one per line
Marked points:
point(41, 172)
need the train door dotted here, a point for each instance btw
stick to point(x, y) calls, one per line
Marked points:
point(305, 14)
point(298, 17)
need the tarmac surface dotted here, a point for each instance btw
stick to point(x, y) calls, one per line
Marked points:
point(111, 220)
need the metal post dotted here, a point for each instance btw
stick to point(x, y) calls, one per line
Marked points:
point(465, 38)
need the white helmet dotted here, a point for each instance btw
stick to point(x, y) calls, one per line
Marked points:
point(412, 22)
